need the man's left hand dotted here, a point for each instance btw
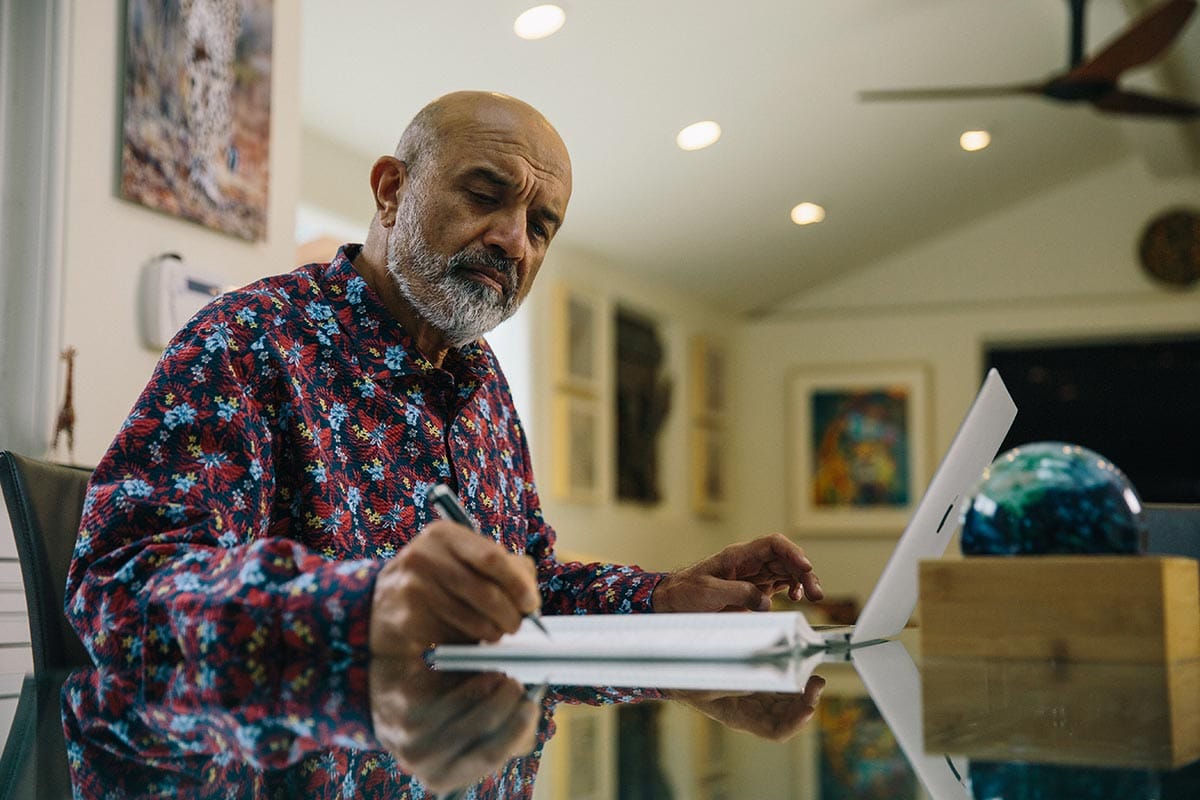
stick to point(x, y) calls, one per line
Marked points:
point(769, 715)
point(741, 577)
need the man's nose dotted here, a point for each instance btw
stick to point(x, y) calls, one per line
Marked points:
point(506, 231)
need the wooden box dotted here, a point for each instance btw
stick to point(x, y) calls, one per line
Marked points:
point(1118, 609)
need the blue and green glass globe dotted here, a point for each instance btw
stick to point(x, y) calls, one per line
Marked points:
point(1052, 497)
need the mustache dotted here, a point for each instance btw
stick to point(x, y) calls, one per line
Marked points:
point(465, 258)
point(506, 267)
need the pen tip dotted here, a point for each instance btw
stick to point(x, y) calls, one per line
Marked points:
point(536, 619)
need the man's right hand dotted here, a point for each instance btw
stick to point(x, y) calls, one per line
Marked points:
point(449, 584)
point(449, 729)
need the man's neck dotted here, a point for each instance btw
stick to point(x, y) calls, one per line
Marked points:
point(429, 341)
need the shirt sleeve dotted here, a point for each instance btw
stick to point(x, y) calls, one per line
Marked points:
point(182, 734)
point(177, 560)
point(573, 587)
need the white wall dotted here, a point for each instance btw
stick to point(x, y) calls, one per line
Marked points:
point(667, 534)
point(335, 178)
point(1061, 266)
point(108, 240)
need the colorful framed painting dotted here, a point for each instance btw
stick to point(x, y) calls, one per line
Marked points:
point(858, 440)
point(196, 129)
point(860, 758)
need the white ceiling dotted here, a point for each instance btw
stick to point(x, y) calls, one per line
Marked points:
point(781, 77)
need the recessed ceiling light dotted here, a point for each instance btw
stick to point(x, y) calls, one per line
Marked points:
point(539, 22)
point(807, 214)
point(698, 135)
point(974, 140)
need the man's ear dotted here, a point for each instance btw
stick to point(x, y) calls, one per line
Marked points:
point(389, 175)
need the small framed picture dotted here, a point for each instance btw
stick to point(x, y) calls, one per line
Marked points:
point(576, 446)
point(711, 753)
point(708, 389)
point(583, 752)
point(708, 471)
point(577, 337)
point(857, 442)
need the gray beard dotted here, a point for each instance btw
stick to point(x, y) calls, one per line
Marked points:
point(461, 309)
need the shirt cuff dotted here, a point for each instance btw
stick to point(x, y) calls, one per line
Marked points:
point(326, 611)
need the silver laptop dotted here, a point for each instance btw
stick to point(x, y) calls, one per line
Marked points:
point(975, 444)
point(894, 684)
point(736, 637)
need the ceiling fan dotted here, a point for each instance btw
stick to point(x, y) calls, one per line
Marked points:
point(1093, 80)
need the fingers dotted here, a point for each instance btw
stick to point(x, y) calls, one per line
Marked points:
point(472, 581)
point(813, 690)
point(450, 584)
point(715, 594)
point(450, 731)
point(492, 564)
point(487, 737)
point(741, 595)
point(770, 715)
point(741, 576)
point(771, 558)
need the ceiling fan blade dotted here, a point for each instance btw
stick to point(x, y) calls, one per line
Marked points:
point(950, 93)
point(1140, 43)
point(1123, 102)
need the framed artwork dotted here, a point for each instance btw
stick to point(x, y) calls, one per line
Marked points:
point(577, 448)
point(710, 750)
point(642, 399)
point(860, 758)
point(858, 439)
point(196, 128)
point(643, 751)
point(708, 471)
point(708, 389)
point(580, 755)
point(577, 338)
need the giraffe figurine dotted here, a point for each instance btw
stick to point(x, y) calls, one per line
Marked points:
point(66, 415)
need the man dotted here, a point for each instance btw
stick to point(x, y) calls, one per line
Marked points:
point(265, 500)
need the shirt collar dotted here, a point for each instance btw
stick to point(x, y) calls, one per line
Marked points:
point(382, 344)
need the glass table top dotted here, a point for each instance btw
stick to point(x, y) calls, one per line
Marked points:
point(874, 722)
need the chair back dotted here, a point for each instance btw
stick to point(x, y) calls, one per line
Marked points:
point(45, 503)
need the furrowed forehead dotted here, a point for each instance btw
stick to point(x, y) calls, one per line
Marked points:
point(503, 141)
point(534, 141)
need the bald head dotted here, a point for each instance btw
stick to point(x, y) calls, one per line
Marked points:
point(459, 114)
point(465, 211)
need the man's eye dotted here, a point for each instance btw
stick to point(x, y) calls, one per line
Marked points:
point(484, 199)
point(539, 230)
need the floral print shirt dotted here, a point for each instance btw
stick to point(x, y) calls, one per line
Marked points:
point(280, 454)
point(304, 733)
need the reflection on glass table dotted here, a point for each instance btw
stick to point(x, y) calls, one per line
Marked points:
point(885, 669)
point(825, 726)
point(1073, 729)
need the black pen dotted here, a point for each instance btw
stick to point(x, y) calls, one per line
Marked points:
point(443, 498)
